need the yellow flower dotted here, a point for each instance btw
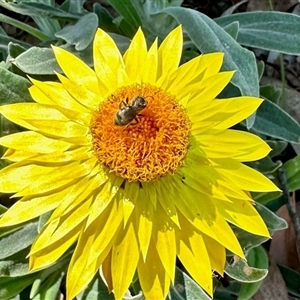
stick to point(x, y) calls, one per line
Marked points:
point(136, 161)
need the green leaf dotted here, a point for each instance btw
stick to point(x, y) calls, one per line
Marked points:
point(269, 92)
point(272, 221)
point(96, 290)
point(155, 25)
point(185, 288)
point(248, 240)
point(242, 272)
point(5, 40)
point(15, 49)
point(209, 37)
point(277, 147)
point(73, 7)
point(105, 19)
point(37, 61)
point(232, 29)
point(276, 31)
point(49, 289)
point(292, 280)
point(265, 165)
point(11, 286)
point(256, 257)
point(265, 198)
point(16, 264)
point(127, 10)
point(13, 88)
point(272, 121)
point(260, 68)
point(18, 240)
point(292, 173)
point(38, 10)
point(82, 33)
point(23, 26)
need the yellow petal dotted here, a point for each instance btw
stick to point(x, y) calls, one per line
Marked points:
point(240, 145)
point(135, 57)
point(143, 222)
point(169, 52)
point(165, 242)
point(108, 62)
point(203, 216)
point(77, 193)
point(51, 254)
point(39, 97)
point(33, 142)
point(82, 153)
point(153, 277)
point(129, 198)
point(103, 197)
point(58, 95)
point(243, 176)
point(93, 246)
point(193, 255)
point(30, 207)
point(57, 178)
point(216, 253)
point(106, 271)
point(76, 69)
point(243, 215)
point(150, 65)
point(211, 63)
point(17, 155)
point(206, 90)
point(195, 71)
point(150, 191)
point(58, 231)
point(230, 190)
point(18, 176)
point(125, 257)
point(165, 195)
point(84, 96)
point(60, 129)
point(19, 112)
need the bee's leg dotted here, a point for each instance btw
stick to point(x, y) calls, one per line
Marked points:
point(125, 103)
point(133, 123)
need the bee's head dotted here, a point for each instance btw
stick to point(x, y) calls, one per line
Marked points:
point(139, 102)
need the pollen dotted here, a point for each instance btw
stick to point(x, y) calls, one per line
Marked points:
point(152, 145)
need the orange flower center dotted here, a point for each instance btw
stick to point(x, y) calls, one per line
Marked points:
point(140, 133)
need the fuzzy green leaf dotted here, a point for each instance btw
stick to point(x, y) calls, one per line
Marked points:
point(82, 33)
point(257, 258)
point(38, 9)
point(17, 240)
point(276, 31)
point(37, 61)
point(273, 121)
point(292, 173)
point(13, 88)
point(11, 286)
point(242, 272)
point(49, 289)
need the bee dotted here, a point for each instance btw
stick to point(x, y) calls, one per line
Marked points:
point(128, 113)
